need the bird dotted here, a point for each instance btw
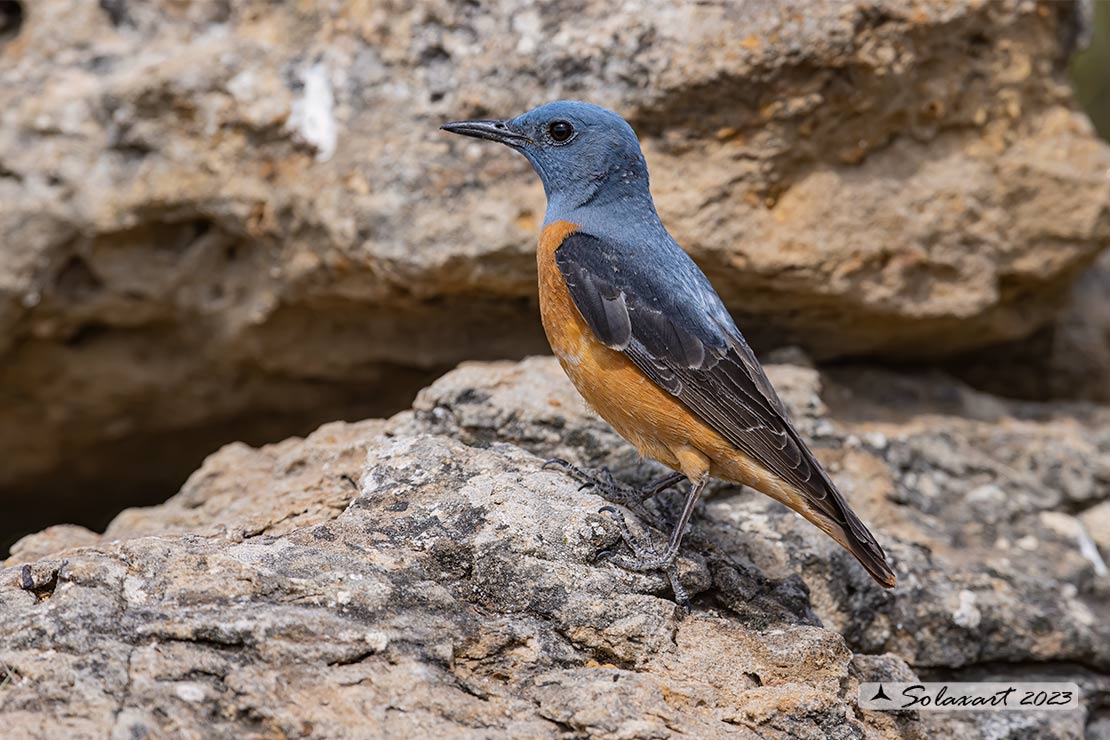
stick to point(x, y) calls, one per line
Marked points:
point(648, 343)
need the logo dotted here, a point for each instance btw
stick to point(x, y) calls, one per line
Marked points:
point(968, 695)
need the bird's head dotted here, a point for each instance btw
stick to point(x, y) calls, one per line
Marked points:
point(579, 150)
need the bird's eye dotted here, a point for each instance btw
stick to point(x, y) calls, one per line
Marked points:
point(560, 131)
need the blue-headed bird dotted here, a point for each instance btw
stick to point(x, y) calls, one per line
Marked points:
point(647, 341)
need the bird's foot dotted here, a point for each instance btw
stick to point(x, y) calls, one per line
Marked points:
point(609, 488)
point(602, 482)
point(645, 558)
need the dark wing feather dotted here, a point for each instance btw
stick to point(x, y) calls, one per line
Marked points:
point(690, 347)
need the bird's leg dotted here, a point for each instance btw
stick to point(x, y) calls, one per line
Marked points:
point(661, 484)
point(645, 557)
point(639, 547)
point(612, 490)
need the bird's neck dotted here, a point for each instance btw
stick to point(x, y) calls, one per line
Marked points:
point(603, 204)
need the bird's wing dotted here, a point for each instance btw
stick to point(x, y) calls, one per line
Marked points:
point(670, 323)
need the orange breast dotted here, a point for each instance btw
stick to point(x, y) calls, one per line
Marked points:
point(650, 418)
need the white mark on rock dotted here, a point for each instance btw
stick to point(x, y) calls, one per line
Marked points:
point(1068, 526)
point(1089, 550)
point(133, 590)
point(190, 692)
point(313, 116)
point(877, 440)
point(988, 493)
point(966, 614)
point(1082, 613)
point(529, 27)
point(243, 86)
point(378, 641)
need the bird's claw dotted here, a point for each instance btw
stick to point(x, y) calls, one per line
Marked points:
point(681, 597)
point(604, 556)
point(644, 557)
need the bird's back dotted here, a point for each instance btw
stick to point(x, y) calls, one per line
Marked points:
point(648, 302)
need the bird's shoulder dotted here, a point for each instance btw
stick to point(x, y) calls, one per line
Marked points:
point(651, 300)
point(654, 277)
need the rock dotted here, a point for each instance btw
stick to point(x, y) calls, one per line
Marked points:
point(52, 539)
point(1079, 364)
point(455, 595)
point(237, 220)
point(1096, 520)
point(457, 589)
point(1068, 359)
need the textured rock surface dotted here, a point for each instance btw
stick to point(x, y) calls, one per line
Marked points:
point(1070, 358)
point(455, 590)
point(234, 219)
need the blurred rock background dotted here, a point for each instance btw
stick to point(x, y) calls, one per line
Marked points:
point(234, 220)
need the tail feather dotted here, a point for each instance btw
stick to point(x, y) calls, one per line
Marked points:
point(836, 519)
point(854, 537)
point(861, 543)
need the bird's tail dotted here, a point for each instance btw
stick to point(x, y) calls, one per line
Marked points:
point(859, 541)
point(854, 536)
point(832, 515)
point(842, 524)
point(822, 504)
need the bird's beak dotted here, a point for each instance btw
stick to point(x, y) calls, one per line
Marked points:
point(499, 131)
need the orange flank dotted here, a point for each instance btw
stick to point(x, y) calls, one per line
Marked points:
point(656, 422)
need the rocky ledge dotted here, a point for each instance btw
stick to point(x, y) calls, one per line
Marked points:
point(424, 576)
point(237, 219)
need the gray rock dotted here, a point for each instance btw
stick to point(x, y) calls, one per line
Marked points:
point(457, 589)
point(1069, 358)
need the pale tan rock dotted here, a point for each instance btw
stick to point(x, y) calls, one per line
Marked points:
point(1096, 520)
point(57, 538)
point(457, 589)
point(455, 595)
point(186, 258)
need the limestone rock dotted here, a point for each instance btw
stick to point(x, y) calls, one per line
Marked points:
point(1068, 359)
point(236, 219)
point(1079, 360)
point(456, 590)
point(456, 595)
